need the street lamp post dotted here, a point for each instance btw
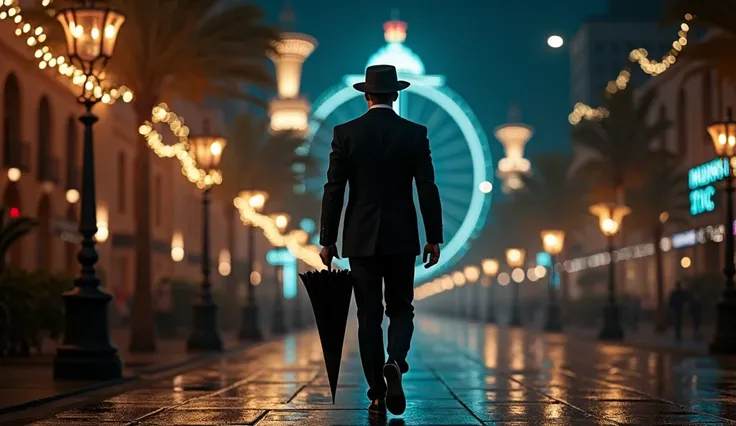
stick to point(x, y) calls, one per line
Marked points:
point(250, 329)
point(86, 352)
point(724, 340)
point(610, 217)
point(207, 152)
point(490, 269)
point(515, 259)
point(278, 326)
point(553, 241)
point(472, 274)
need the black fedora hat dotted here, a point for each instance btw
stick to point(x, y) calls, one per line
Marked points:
point(381, 79)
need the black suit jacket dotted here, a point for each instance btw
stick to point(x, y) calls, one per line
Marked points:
point(379, 154)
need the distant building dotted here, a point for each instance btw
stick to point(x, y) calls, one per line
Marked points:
point(601, 47)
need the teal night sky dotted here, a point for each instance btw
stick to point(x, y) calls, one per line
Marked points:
point(493, 53)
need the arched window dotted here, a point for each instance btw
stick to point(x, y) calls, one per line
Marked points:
point(43, 155)
point(682, 122)
point(11, 121)
point(707, 107)
point(72, 138)
point(122, 183)
point(663, 141)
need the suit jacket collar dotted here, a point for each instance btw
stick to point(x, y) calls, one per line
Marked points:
point(381, 110)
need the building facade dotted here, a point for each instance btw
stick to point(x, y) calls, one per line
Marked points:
point(690, 103)
point(42, 138)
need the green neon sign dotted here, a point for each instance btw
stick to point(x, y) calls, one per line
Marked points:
point(701, 180)
point(708, 173)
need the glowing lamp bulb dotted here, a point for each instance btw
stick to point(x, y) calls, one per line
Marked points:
point(609, 226)
point(14, 174)
point(177, 254)
point(216, 148)
point(72, 196)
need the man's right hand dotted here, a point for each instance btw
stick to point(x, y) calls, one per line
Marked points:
point(431, 255)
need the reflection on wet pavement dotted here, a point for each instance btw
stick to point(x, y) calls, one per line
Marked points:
point(461, 374)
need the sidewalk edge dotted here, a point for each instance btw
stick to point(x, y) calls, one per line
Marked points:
point(153, 370)
point(60, 396)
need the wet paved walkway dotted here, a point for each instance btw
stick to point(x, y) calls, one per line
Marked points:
point(461, 374)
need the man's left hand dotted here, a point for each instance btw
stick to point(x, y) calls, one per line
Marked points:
point(327, 254)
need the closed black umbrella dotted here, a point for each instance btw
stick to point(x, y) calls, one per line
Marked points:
point(330, 292)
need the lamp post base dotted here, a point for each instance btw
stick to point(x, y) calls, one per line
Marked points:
point(204, 336)
point(278, 326)
point(515, 317)
point(86, 352)
point(553, 324)
point(249, 329)
point(612, 329)
point(724, 341)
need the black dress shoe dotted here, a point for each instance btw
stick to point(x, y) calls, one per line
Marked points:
point(395, 399)
point(377, 407)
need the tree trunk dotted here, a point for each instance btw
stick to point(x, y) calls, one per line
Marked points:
point(661, 314)
point(142, 324)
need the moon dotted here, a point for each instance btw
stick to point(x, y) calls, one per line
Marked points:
point(555, 41)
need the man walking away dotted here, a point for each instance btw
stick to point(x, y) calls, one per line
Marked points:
point(380, 155)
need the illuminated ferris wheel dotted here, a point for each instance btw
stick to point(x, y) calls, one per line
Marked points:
point(460, 151)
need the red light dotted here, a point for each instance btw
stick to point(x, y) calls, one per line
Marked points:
point(14, 212)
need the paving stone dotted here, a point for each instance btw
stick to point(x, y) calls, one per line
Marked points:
point(220, 417)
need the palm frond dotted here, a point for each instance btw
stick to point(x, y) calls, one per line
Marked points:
point(260, 159)
point(14, 230)
point(621, 143)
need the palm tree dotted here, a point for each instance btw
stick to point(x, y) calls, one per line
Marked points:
point(619, 146)
point(178, 49)
point(259, 159)
point(662, 199)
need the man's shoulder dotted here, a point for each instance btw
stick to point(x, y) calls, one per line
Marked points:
point(348, 125)
point(358, 122)
point(414, 126)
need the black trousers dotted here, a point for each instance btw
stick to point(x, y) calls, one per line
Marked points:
point(397, 273)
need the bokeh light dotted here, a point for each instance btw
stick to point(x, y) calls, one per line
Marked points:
point(555, 42)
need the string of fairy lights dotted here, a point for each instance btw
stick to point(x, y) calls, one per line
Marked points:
point(108, 93)
point(295, 241)
point(639, 56)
